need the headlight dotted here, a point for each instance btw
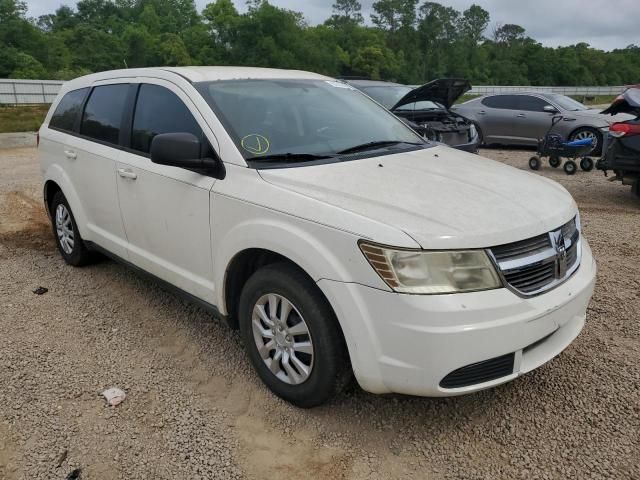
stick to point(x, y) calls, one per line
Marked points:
point(432, 272)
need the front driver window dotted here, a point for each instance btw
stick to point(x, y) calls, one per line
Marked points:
point(159, 110)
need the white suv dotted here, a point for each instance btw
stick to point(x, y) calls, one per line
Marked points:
point(310, 217)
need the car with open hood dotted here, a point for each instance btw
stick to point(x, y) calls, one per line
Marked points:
point(334, 237)
point(426, 109)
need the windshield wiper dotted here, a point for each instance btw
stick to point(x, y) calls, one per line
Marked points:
point(374, 145)
point(289, 157)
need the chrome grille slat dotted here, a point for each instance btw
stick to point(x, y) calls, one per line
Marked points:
point(540, 263)
point(522, 248)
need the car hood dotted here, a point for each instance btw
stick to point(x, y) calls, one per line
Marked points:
point(593, 113)
point(444, 91)
point(440, 197)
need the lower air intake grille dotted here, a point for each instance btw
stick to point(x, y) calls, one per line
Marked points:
point(480, 372)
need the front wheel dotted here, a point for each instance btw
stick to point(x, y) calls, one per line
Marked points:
point(534, 163)
point(589, 133)
point(570, 167)
point(586, 164)
point(292, 336)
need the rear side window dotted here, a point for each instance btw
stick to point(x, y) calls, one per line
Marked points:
point(159, 110)
point(103, 113)
point(68, 110)
point(509, 102)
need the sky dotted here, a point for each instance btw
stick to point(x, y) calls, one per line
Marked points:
point(604, 24)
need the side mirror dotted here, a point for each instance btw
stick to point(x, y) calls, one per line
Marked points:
point(550, 109)
point(181, 150)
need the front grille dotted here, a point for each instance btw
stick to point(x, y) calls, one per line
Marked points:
point(538, 264)
point(532, 277)
point(480, 372)
point(523, 248)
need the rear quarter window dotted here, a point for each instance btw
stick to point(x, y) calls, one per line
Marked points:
point(68, 110)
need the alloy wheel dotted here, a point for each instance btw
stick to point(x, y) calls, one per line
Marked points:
point(587, 134)
point(64, 229)
point(282, 338)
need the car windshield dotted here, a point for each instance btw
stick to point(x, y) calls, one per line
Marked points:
point(301, 120)
point(567, 103)
point(387, 95)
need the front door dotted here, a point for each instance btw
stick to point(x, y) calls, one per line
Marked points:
point(532, 123)
point(165, 209)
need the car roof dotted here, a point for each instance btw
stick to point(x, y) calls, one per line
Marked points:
point(372, 83)
point(525, 92)
point(198, 74)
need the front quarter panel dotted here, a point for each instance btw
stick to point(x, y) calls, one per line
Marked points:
point(248, 212)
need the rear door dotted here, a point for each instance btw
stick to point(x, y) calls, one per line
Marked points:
point(89, 153)
point(496, 117)
point(166, 209)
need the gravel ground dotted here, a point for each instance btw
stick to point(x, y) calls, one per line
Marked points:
point(196, 410)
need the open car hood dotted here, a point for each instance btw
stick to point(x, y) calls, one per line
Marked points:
point(628, 102)
point(444, 91)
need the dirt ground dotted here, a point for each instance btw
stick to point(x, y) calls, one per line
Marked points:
point(196, 410)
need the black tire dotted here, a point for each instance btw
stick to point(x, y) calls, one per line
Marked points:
point(79, 254)
point(534, 163)
point(555, 162)
point(570, 167)
point(330, 368)
point(588, 130)
point(586, 164)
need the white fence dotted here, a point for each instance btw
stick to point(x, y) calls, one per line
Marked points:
point(579, 91)
point(25, 92)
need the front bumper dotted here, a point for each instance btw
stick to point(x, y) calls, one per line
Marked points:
point(471, 147)
point(409, 343)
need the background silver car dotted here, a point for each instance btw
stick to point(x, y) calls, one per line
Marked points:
point(523, 118)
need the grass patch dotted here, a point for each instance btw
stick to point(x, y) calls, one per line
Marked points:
point(594, 99)
point(22, 118)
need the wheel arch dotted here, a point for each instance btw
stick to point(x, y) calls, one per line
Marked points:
point(56, 180)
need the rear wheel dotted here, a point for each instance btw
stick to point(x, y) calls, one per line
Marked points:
point(554, 162)
point(570, 167)
point(534, 163)
point(65, 230)
point(586, 164)
point(292, 336)
point(590, 133)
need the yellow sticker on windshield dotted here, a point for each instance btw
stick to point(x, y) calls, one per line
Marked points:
point(256, 144)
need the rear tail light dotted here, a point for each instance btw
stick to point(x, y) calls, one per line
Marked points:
point(618, 130)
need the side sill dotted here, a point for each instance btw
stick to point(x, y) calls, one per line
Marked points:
point(208, 307)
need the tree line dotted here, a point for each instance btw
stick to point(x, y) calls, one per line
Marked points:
point(408, 41)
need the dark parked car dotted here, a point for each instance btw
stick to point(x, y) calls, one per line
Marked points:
point(524, 118)
point(621, 152)
point(426, 109)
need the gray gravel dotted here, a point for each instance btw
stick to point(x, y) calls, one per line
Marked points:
point(195, 409)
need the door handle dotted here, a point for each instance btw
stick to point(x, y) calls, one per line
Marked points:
point(71, 155)
point(521, 115)
point(482, 112)
point(124, 173)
